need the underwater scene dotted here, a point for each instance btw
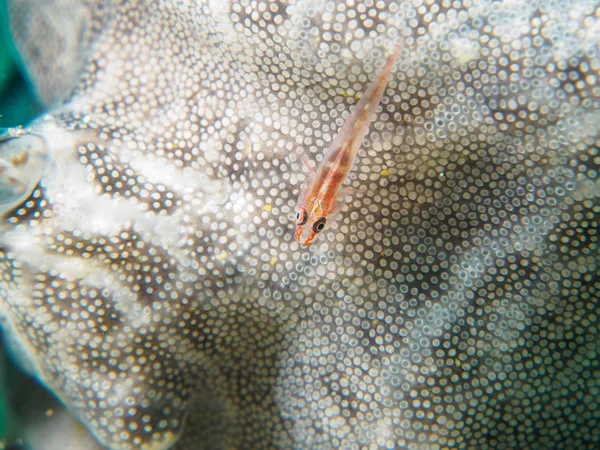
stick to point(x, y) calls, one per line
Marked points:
point(302, 224)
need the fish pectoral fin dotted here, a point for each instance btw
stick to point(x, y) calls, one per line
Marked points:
point(307, 166)
point(338, 205)
point(336, 210)
point(348, 190)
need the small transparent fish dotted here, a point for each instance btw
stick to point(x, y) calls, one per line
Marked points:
point(320, 196)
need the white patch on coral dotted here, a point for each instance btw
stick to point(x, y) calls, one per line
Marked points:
point(61, 431)
point(464, 49)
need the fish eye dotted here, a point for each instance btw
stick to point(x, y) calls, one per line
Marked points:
point(319, 225)
point(301, 216)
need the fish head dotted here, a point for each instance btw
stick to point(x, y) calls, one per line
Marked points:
point(310, 221)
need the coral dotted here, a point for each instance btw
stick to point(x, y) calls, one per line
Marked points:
point(150, 276)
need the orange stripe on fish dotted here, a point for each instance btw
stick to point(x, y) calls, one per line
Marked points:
point(319, 198)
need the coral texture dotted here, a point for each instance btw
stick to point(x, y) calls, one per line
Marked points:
point(150, 277)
